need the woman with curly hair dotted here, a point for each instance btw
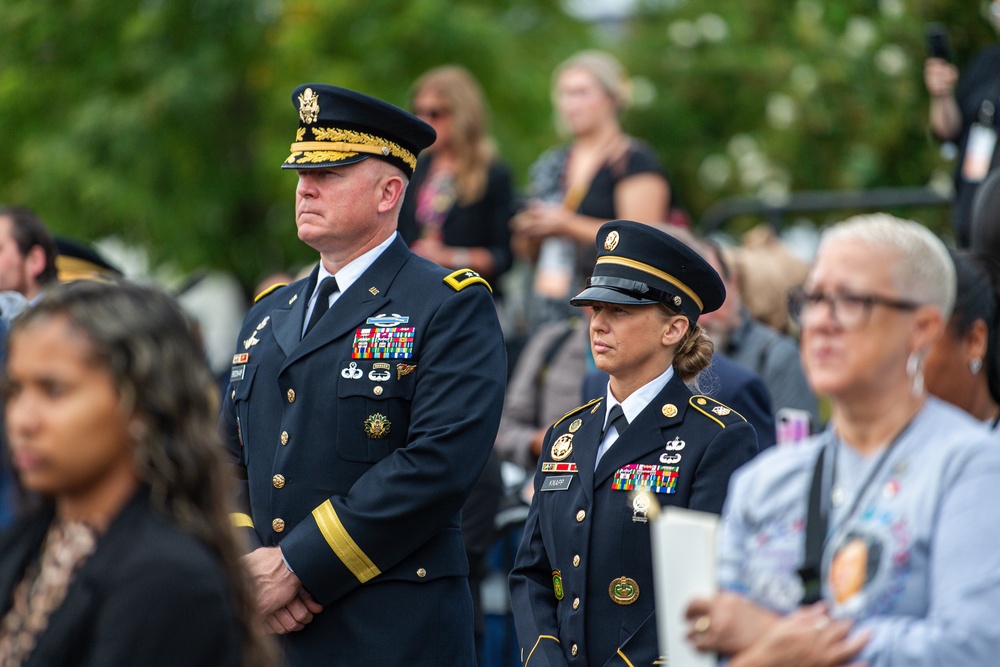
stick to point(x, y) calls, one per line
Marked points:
point(128, 557)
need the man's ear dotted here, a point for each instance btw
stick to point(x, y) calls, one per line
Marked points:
point(391, 189)
point(34, 262)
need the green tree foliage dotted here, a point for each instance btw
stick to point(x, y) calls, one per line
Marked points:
point(765, 98)
point(165, 121)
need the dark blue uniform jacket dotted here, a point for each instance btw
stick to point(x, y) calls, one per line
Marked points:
point(359, 444)
point(591, 538)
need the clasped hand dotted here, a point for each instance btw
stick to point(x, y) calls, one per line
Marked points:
point(282, 604)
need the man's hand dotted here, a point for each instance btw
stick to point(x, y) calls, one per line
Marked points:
point(295, 615)
point(273, 585)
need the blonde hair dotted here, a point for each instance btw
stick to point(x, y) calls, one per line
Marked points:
point(473, 146)
point(693, 353)
point(606, 69)
point(923, 271)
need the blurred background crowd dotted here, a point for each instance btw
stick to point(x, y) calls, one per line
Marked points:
point(152, 136)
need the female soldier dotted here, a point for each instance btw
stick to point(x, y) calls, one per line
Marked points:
point(582, 581)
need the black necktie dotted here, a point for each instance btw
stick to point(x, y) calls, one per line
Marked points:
point(617, 419)
point(327, 286)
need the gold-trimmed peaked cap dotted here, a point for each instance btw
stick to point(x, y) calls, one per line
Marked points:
point(338, 126)
point(640, 265)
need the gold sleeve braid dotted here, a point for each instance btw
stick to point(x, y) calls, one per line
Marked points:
point(346, 549)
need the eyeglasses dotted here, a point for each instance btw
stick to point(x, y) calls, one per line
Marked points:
point(432, 113)
point(846, 309)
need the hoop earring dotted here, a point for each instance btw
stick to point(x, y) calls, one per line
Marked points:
point(976, 365)
point(915, 371)
point(138, 430)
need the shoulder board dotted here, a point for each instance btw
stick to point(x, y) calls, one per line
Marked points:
point(268, 291)
point(714, 410)
point(576, 410)
point(459, 280)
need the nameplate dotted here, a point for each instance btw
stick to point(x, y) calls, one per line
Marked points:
point(557, 483)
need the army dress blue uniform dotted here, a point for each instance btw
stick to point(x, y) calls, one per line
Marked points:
point(581, 586)
point(359, 441)
point(358, 467)
point(584, 623)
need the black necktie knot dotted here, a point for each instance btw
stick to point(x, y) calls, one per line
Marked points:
point(616, 418)
point(327, 286)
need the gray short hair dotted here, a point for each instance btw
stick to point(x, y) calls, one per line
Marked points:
point(923, 272)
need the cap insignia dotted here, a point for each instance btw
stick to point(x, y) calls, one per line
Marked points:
point(611, 241)
point(677, 301)
point(308, 106)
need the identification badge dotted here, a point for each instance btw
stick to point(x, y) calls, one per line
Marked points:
point(648, 477)
point(383, 343)
point(559, 483)
point(237, 373)
point(979, 152)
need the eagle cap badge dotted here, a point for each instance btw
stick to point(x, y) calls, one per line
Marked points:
point(308, 106)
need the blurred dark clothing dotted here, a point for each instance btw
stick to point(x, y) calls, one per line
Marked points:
point(150, 594)
point(548, 181)
point(732, 384)
point(979, 82)
point(775, 358)
point(478, 532)
point(483, 223)
point(986, 216)
point(543, 387)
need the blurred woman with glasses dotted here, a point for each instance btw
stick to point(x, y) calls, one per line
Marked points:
point(460, 199)
point(877, 540)
point(129, 558)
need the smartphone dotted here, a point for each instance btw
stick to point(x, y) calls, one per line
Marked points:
point(792, 425)
point(938, 44)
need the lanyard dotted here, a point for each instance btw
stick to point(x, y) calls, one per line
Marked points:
point(818, 512)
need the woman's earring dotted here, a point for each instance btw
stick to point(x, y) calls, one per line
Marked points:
point(976, 365)
point(138, 430)
point(915, 371)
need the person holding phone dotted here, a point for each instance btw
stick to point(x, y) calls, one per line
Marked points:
point(965, 110)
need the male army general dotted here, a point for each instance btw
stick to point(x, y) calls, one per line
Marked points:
point(364, 402)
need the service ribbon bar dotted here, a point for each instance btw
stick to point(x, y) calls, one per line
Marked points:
point(388, 343)
point(647, 477)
